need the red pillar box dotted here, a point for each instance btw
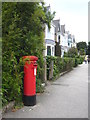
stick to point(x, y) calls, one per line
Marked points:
point(30, 69)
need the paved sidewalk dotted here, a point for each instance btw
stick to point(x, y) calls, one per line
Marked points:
point(67, 97)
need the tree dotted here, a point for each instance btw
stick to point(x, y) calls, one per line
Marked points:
point(82, 52)
point(81, 45)
point(72, 52)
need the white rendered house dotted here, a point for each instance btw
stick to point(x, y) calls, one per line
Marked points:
point(50, 40)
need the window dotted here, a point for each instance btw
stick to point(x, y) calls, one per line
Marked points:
point(59, 38)
point(68, 44)
point(49, 50)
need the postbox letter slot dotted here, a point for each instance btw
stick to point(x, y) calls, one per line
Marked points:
point(35, 64)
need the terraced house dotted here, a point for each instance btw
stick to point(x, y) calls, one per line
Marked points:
point(66, 40)
point(50, 38)
point(57, 39)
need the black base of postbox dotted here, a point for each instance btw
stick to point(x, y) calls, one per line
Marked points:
point(29, 100)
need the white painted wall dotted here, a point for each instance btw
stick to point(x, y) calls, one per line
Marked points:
point(66, 40)
point(64, 44)
point(50, 34)
point(62, 40)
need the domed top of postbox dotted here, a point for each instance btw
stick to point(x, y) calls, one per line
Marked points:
point(31, 58)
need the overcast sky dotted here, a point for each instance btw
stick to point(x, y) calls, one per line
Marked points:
point(74, 14)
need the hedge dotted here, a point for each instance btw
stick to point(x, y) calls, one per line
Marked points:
point(23, 35)
point(62, 64)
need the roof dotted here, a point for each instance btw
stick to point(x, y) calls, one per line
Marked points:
point(57, 24)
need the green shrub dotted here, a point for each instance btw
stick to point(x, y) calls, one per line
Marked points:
point(60, 65)
point(72, 52)
point(82, 52)
point(76, 62)
point(12, 80)
point(55, 71)
point(39, 87)
point(63, 64)
point(81, 59)
point(20, 39)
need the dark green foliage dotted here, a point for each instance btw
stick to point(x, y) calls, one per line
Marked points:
point(63, 64)
point(23, 34)
point(49, 59)
point(49, 16)
point(80, 59)
point(82, 52)
point(72, 52)
point(60, 65)
point(81, 45)
point(88, 49)
point(39, 87)
point(76, 62)
point(12, 80)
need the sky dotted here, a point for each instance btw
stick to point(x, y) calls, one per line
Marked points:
point(74, 14)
